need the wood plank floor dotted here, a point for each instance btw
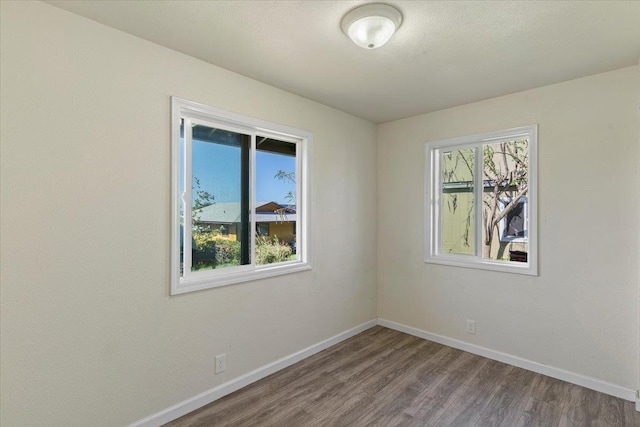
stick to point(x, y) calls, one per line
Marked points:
point(382, 377)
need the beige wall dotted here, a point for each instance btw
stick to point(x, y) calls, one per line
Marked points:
point(90, 336)
point(581, 313)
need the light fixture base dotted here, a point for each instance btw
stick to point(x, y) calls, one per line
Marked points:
point(371, 25)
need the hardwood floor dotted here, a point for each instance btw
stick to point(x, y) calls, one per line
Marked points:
point(382, 377)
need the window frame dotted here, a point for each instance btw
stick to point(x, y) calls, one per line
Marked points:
point(222, 119)
point(433, 195)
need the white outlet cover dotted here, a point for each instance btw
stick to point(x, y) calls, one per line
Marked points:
point(221, 363)
point(471, 326)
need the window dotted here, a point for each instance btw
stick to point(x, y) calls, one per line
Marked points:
point(481, 201)
point(263, 229)
point(222, 163)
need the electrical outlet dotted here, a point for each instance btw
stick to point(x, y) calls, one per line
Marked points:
point(471, 326)
point(221, 363)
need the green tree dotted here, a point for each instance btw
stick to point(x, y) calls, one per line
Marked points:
point(201, 200)
point(287, 177)
point(506, 171)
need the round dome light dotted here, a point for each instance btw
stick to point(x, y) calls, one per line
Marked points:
point(372, 25)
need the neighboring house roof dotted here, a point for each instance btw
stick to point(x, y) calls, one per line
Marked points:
point(225, 213)
point(229, 213)
point(275, 217)
point(265, 207)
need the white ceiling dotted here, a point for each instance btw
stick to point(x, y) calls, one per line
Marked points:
point(445, 53)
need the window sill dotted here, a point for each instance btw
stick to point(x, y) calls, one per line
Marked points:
point(526, 268)
point(261, 272)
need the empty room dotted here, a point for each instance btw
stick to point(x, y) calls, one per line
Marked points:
point(319, 213)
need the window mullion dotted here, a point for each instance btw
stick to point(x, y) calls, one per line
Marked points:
point(436, 160)
point(245, 201)
point(478, 193)
point(252, 191)
point(188, 198)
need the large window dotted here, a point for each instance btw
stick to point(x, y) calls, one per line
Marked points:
point(240, 185)
point(481, 201)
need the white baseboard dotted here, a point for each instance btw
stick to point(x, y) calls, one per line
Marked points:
point(229, 387)
point(638, 400)
point(561, 374)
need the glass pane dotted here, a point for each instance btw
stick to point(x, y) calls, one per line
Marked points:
point(457, 210)
point(505, 219)
point(276, 209)
point(515, 224)
point(220, 199)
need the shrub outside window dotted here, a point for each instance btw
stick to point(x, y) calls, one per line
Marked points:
point(240, 185)
point(481, 201)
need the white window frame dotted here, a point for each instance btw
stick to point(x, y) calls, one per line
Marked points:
point(433, 193)
point(221, 119)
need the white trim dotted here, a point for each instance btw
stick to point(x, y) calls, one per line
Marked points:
point(209, 116)
point(187, 226)
point(175, 190)
point(478, 202)
point(638, 400)
point(429, 203)
point(550, 371)
point(469, 261)
point(253, 186)
point(204, 398)
point(432, 190)
point(215, 393)
point(263, 272)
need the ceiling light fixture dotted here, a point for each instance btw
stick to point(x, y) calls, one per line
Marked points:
point(372, 25)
